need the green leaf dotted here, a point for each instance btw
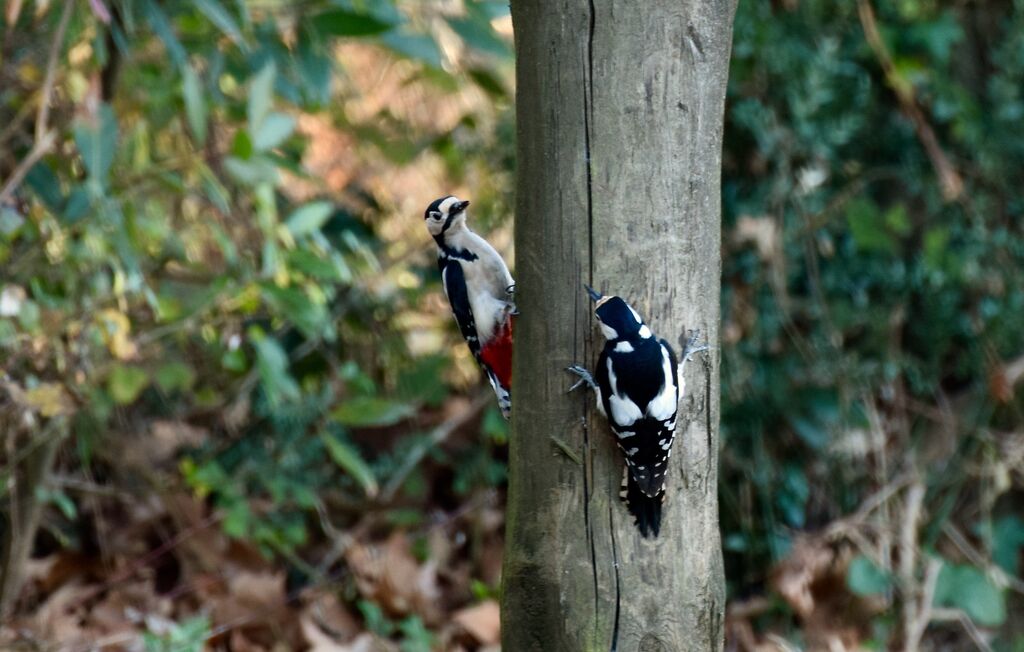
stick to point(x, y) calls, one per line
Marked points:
point(864, 578)
point(967, 588)
point(220, 17)
point(126, 383)
point(419, 47)
point(195, 103)
point(936, 240)
point(310, 264)
point(261, 92)
point(867, 226)
point(897, 220)
point(272, 363)
point(309, 218)
point(97, 140)
point(174, 375)
point(365, 411)
point(311, 317)
point(1007, 540)
point(252, 172)
point(274, 129)
point(495, 426)
point(348, 23)
point(162, 27)
point(478, 34)
point(349, 460)
point(489, 82)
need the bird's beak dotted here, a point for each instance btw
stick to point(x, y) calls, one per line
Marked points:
point(595, 296)
point(460, 206)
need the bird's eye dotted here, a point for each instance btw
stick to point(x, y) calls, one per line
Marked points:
point(434, 215)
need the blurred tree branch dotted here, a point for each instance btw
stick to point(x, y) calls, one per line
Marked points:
point(949, 178)
point(44, 137)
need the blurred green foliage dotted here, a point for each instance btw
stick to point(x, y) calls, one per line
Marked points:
point(867, 314)
point(159, 262)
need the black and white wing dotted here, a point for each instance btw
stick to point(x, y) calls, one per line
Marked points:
point(454, 281)
point(640, 394)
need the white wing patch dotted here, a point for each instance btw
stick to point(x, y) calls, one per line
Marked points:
point(624, 411)
point(664, 405)
point(624, 347)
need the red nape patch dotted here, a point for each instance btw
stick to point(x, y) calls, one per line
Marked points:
point(497, 354)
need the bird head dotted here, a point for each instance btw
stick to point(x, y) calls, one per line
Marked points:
point(445, 213)
point(618, 319)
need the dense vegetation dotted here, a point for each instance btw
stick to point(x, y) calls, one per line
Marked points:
point(221, 325)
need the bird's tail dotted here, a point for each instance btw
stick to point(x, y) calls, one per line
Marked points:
point(646, 510)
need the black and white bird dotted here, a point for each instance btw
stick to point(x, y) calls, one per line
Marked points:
point(638, 384)
point(479, 288)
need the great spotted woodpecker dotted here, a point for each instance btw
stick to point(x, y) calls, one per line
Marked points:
point(479, 288)
point(638, 386)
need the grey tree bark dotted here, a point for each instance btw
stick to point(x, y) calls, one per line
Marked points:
point(619, 110)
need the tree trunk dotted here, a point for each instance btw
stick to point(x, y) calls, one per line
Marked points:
point(619, 112)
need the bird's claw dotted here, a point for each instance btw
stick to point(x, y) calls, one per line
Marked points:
point(510, 292)
point(693, 346)
point(585, 377)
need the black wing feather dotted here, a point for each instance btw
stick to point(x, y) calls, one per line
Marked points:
point(454, 281)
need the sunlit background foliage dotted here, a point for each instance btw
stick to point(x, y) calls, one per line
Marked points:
point(219, 311)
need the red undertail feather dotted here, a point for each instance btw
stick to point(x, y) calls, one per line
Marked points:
point(497, 353)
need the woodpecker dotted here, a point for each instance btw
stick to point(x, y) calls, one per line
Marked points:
point(480, 290)
point(637, 384)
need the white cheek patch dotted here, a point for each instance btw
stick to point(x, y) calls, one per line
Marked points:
point(609, 332)
point(624, 347)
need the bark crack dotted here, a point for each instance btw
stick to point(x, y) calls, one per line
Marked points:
point(618, 593)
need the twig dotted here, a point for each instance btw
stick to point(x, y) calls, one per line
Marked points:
point(958, 616)
point(568, 452)
point(915, 630)
point(43, 117)
point(39, 149)
point(44, 137)
point(908, 564)
point(439, 435)
point(950, 181)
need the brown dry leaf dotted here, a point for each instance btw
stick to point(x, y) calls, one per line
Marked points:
point(763, 232)
point(367, 642)
point(318, 639)
point(59, 617)
point(812, 579)
point(482, 622)
point(327, 612)
point(118, 614)
point(165, 438)
point(239, 643)
point(808, 562)
point(389, 575)
point(258, 589)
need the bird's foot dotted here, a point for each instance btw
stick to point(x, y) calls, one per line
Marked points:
point(693, 346)
point(586, 378)
point(510, 293)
